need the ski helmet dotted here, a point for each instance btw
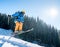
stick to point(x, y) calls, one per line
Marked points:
point(23, 11)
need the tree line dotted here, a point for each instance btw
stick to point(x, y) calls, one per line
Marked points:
point(42, 32)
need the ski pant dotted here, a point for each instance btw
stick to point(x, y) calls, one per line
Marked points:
point(19, 26)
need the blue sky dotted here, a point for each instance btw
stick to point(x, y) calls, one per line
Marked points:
point(34, 8)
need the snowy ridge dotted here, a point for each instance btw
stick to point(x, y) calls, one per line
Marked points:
point(13, 42)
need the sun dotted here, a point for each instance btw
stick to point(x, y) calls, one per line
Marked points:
point(53, 12)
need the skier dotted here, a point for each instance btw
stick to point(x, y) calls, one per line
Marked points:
point(19, 19)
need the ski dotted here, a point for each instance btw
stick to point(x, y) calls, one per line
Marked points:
point(23, 32)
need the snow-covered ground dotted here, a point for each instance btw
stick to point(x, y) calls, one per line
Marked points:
point(13, 42)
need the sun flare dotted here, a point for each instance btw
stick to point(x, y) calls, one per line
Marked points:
point(53, 12)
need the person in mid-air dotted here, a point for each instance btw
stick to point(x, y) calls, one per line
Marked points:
point(19, 19)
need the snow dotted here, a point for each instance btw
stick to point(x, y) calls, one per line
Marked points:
point(13, 42)
point(1, 41)
point(9, 44)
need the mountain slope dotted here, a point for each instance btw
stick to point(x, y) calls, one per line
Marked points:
point(13, 42)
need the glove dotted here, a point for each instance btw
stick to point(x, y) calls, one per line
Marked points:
point(15, 21)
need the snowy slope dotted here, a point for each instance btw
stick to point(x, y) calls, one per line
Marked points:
point(13, 42)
